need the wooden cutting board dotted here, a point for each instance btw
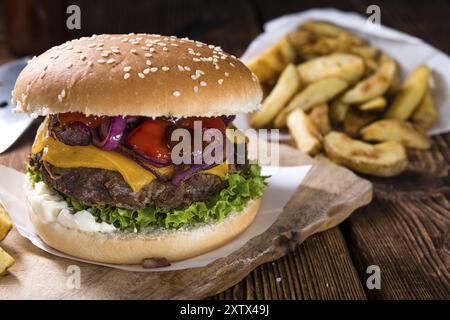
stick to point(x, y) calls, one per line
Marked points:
point(328, 195)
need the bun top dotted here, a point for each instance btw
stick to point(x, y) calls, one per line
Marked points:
point(136, 74)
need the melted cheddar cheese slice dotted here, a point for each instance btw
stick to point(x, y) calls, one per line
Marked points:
point(63, 156)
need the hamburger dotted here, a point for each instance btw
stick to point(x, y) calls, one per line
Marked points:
point(102, 181)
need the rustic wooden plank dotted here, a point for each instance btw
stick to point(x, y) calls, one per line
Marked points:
point(318, 269)
point(405, 229)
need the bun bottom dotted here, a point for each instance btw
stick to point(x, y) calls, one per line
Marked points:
point(133, 248)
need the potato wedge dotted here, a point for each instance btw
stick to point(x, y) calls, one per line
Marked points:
point(426, 114)
point(306, 136)
point(322, 28)
point(376, 104)
point(319, 116)
point(411, 93)
point(288, 84)
point(5, 223)
point(299, 38)
point(338, 110)
point(355, 120)
point(348, 67)
point(316, 93)
point(367, 52)
point(396, 130)
point(268, 65)
point(374, 86)
point(6, 261)
point(385, 159)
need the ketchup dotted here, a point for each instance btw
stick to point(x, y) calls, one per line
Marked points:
point(149, 138)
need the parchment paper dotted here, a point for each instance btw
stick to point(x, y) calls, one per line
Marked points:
point(282, 184)
point(409, 51)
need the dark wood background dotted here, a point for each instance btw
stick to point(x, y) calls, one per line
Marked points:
point(405, 230)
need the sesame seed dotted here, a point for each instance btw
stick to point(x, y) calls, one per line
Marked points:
point(176, 93)
point(165, 68)
point(146, 71)
point(211, 46)
point(60, 98)
point(152, 49)
point(78, 51)
point(196, 59)
point(232, 64)
point(199, 45)
point(82, 57)
point(127, 69)
point(187, 68)
point(220, 81)
point(141, 75)
point(133, 51)
point(198, 54)
point(63, 93)
point(165, 49)
point(226, 74)
point(90, 63)
point(42, 74)
point(180, 68)
point(126, 76)
point(154, 69)
point(101, 61)
point(115, 51)
point(45, 67)
point(194, 77)
point(203, 83)
point(99, 44)
point(148, 62)
point(195, 89)
point(105, 54)
point(110, 61)
point(69, 65)
point(91, 45)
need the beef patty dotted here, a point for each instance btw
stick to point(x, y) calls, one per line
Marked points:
point(104, 187)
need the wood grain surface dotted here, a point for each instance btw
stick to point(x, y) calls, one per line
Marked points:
point(405, 230)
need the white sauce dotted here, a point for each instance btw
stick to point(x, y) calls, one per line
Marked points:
point(51, 207)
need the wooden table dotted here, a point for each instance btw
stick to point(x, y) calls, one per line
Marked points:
point(404, 231)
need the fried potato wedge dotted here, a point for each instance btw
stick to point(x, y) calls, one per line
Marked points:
point(299, 38)
point(426, 114)
point(355, 120)
point(5, 223)
point(322, 28)
point(6, 261)
point(268, 65)
point(288, 84)
point(346, 66)
point(410, 94)
point(307, 137)
point(367, 52)
point(373, 86)
point(320, 117)
point(376, 104)
point(316, 93)
point(385, 159)
point(338, 110)
point(396, 130)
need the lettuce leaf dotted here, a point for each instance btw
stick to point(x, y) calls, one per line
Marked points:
point(233, 198)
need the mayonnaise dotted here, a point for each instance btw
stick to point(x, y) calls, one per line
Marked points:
point(50, 207)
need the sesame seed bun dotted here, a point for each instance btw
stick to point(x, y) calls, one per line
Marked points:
point(136, 74)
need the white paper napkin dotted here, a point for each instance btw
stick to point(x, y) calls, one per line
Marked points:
point(282, 184)
point(409, 51)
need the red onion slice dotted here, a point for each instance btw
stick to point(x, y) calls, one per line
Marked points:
point(155, 263)
point(111, 133)
point(74, 134)
point(228, 119)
